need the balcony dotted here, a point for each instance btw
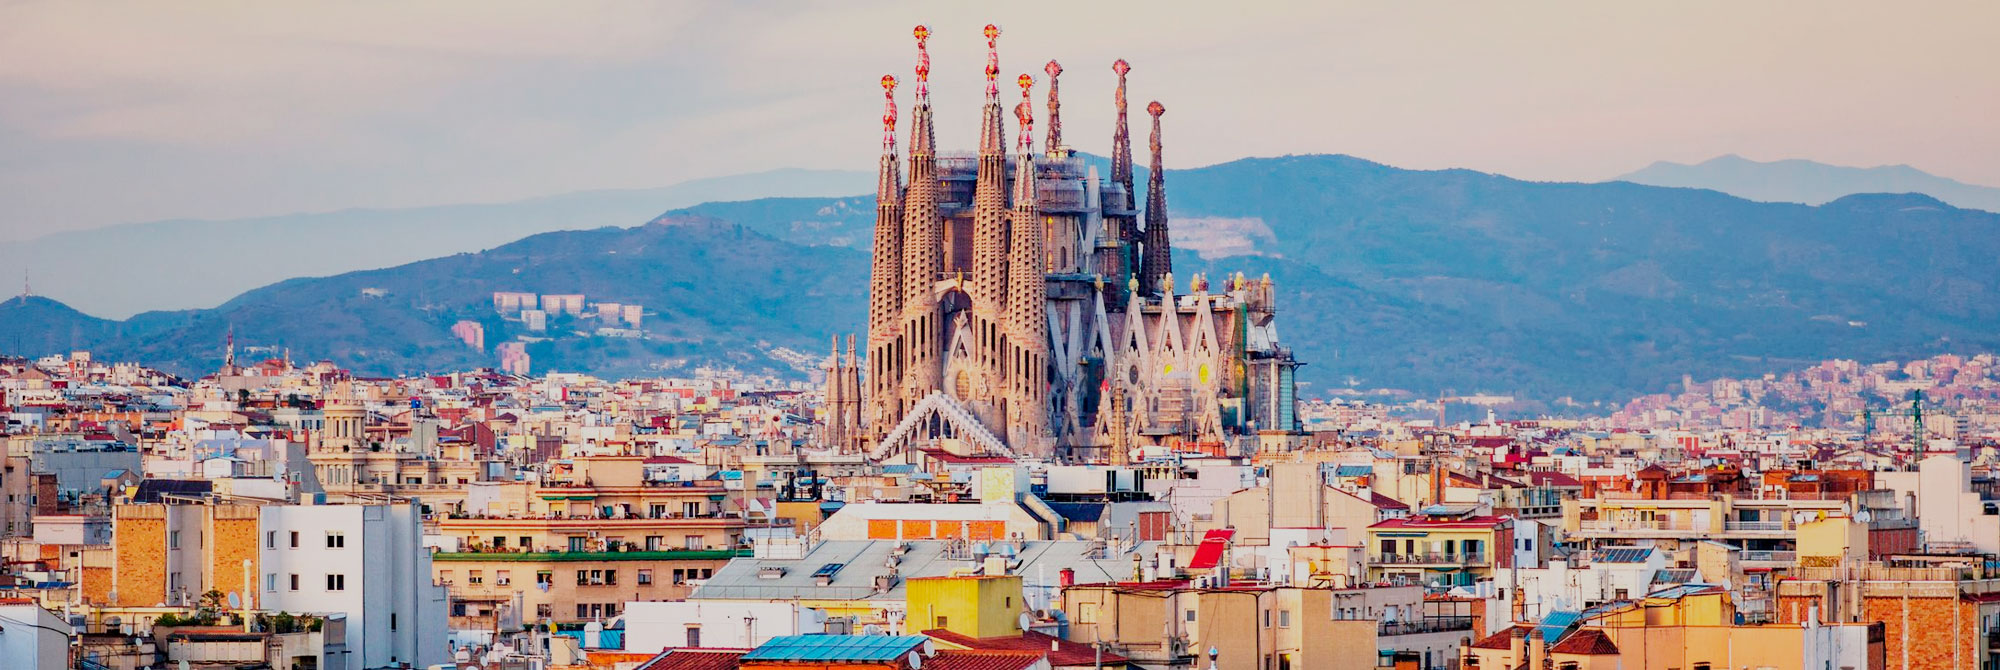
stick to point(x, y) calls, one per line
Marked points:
point(1444, 559)
point(1765, 527)
point(1641, 528)
point(1762, 556)
point(1435, 624)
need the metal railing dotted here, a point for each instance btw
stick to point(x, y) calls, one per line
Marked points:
point(1439, 624)
point(1432, 559)
point(1770, 556)
point(1758, 526)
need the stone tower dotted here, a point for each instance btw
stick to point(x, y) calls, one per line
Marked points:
point(989, 256)
point(885, 284)
point(1159, 262)
point(1027, 324)
point(923, 256)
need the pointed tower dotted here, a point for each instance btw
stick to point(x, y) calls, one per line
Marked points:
point(1027, 300)
point(1158, 262)
point(1056, 149)
point(1127, 228)
point(921, 338)
point(989, 249)
point(885, 287)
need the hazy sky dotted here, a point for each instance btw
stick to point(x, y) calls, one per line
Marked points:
point(119, 112)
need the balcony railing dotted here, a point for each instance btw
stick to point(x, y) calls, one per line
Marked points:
point(1771, 556)
point(1438, 624)
point(1639, 526)
point(1758, 526)
point(1432, 559)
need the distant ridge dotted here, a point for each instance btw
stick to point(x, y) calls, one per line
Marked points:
point(186, 263)
point(1419, 280)
point(1810, 182)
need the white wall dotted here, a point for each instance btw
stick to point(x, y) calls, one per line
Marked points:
point(742, 624)
point(31, 635)
point(394, 612)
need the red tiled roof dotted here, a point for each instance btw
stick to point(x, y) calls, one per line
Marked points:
point(1063, 653)
point(1502, 639)
point(1588, 641)
point(955, 459)
point(957, 659)
point(694, 659)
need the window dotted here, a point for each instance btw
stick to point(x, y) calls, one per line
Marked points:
point(680, 576)
point(295, 581)
point(654, 542)
point(941, 622)
point(295, 539)
point(270, 581)
point(1190, 616)
point(545, 577)
point(499, 542)
point(445, 576)
point(582, 611)
point(582, 577)
point(174, 540)
point(578, 543)
point(691, 542)
point(1086, 613)
point(611, 577)
point(1267, 618)
point(645, 576)
point(525, 543)
point(502, 577)
point(336, 582)
point(694, 636)
point(1284, 618)
point(392, 621)
point(270, 539)
point(544, 611)
point(1388, 547)
point(336, 540)
point(475, 576)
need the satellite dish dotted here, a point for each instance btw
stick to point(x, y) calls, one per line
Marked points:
point(1026, 621)
point(916, 660)
point(235, 603)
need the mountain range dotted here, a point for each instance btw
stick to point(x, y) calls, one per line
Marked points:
point(101, 270)
point(1430, 281)
point(1810, 182)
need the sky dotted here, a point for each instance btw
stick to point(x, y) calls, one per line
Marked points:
point(123, 112)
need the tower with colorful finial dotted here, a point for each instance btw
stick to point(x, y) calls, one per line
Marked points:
point(885, 289)
point(999, 298)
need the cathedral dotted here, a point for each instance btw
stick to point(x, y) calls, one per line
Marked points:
point(1021, 304)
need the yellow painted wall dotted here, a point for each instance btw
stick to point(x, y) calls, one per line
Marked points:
point(975, 606)
point(139, 545)
point(233, 539)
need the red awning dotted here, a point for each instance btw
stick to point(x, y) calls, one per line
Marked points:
point(1209, 554)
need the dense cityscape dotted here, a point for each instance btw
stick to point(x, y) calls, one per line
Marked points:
point(1047, 449)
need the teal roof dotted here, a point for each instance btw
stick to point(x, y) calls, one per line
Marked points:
point(847, 648)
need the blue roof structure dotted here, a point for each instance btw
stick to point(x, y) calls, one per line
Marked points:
point(1353, 471)
point(1622, 555)
point(1556, 623)
point(839, 648)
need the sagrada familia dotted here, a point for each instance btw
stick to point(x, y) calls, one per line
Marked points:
point(1017, 305)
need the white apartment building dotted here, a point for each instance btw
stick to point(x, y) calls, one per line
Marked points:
point(365, 562)
point(738, 624)
point(31, 636)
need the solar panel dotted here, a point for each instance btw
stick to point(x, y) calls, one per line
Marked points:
point(828, 570)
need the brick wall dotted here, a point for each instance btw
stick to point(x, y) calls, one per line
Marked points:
point(234, 535)
point(139, 544)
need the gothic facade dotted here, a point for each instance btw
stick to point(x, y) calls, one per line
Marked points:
point(1016, 303)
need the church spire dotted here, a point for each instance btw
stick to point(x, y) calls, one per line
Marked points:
point(1055, 109)
point(921, 342)
point(989, 198)
point(1027, 301)
point(1159, 260)
point(885, 291)
point(1121, 139)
